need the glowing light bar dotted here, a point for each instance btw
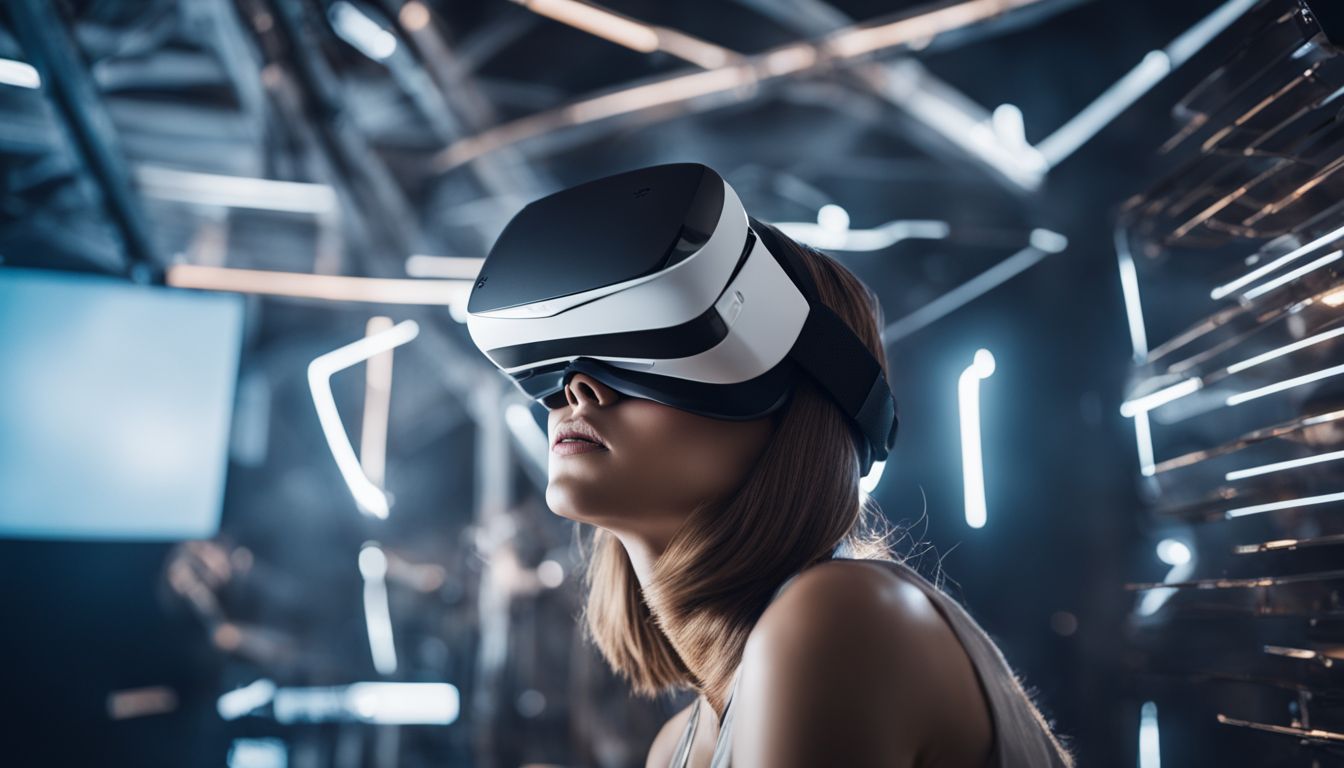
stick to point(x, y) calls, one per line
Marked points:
point(972, 467)
point(240, 701)
point(1280, 466)
point(1154, 66)
point(856, 42)
point(1150, 752)
point(1161, 397)
point(377, 407)
point(1129, 284)
point(1305, 654)
point(1066, 139)
point(1144, 438)
point(1272, 506)
point(19, 74)
point(404, 703)
point(362, 32)
point(456, 267)
point(384, 703)
point(1314, 734)
point(370, 498)
point(377, 616)
point(1291, 276)
point(1259, 272)
point(1298, 381)
point(235, 191)
point(1279, 352)
point(598, 22)
point(375, 290)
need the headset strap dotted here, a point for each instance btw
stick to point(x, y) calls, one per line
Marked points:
point(828, 349)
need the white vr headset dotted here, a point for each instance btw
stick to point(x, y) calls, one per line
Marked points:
point(657, 283)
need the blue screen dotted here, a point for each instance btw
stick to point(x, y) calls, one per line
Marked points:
point(115, 406)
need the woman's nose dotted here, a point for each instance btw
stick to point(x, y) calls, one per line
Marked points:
point(584, 388)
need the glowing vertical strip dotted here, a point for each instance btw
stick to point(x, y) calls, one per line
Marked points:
point(377, 616)
point(377, 406)
point(1144, 438)
point(1150, 756)
point(972, 466)
point(1129, 283)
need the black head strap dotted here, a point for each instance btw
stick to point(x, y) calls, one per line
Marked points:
point(838, 360)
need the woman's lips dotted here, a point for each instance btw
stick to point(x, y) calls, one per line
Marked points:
point(568, 447)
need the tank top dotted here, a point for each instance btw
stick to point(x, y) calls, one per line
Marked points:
point(1021, 739)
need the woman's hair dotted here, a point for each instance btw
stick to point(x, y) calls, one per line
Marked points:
point(721, 568)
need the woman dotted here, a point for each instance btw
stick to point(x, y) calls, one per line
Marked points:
point(715, 567)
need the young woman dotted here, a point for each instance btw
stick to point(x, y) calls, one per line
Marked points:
point(737, 559)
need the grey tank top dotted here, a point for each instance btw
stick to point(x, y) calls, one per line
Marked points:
point(1021, 737)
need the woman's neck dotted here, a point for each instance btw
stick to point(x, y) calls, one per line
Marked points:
point(643, 551)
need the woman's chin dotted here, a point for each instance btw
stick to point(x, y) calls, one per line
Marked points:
point(563, 501)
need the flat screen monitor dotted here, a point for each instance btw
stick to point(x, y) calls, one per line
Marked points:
point(115, 406)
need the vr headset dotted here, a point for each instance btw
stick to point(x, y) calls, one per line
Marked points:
point(657, 283)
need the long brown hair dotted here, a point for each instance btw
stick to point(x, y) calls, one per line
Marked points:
point(718, 573)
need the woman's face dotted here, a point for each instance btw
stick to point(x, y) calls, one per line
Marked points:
point(658, 461)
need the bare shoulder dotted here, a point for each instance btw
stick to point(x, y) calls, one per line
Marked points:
point(848, 649)
point(660, 752)
point(853, 604)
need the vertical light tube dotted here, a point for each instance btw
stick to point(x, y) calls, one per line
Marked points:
point(1149, 754)
point(972, 466)
point(377, 617)
point(377, 406)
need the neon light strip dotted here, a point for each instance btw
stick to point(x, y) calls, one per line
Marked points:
point(368, 497)
point(1296, 273)
point(377, 407)
point(1265, 357)
point(1256, 274)
point(1150, 752)
point(972, 464)
point(1305, 501)
point(304, 285)
point(19, 74)
point(1129, 284)
point(1282, 385)
point(1265, 469)
point(236, 191)
point(1161, 397)
point(1144, 437)
point(377, 617)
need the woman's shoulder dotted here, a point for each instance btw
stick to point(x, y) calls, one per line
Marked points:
point(863, 598)
point(858, 641)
